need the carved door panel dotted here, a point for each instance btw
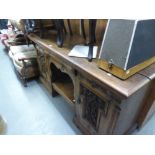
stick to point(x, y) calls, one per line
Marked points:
point(97, 115)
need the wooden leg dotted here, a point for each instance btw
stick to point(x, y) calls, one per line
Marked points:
point(54, 93)
point(25, 82)
point(24, 74)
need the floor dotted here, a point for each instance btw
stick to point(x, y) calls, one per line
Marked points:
point(32, 110)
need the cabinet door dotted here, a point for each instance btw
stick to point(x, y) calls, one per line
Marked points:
point(97, 115)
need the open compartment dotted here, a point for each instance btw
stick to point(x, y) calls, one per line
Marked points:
point(62, 84)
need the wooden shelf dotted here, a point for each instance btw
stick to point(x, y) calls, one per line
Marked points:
point(65, 89)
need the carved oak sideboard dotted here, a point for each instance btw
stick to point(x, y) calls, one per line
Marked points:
point(103, 104)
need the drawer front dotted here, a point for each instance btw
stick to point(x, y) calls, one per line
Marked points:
point(99, 90)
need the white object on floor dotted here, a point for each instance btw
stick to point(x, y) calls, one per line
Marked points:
point(82, 51)
point(2, 125)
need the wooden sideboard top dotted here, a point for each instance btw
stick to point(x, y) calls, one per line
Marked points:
point(124, 88)
point(149, 72)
